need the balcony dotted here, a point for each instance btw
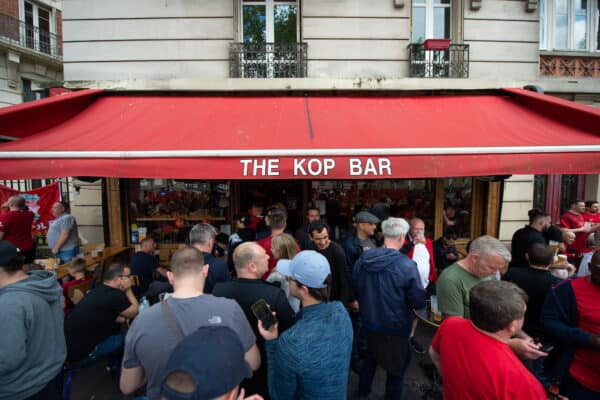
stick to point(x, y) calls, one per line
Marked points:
point(444, 61)
point(21, 34)
point(267, 60)
point(560, 65)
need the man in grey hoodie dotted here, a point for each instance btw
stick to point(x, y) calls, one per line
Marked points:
point(32, 343)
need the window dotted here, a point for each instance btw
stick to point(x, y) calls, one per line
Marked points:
point(269, 21)
point(32, 92)
point(431, 20)
point(38, 27)
point(269, 38)
point(569, 25)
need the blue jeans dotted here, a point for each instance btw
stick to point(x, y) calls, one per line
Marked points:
point(394, 384)
point(109, 347)
point(67, 255)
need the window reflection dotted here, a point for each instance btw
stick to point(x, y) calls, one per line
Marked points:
point(406, 198)
point(458, 195)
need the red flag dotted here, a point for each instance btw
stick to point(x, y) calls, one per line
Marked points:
point(39, 201)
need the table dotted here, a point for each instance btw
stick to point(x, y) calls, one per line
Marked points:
point(91, 263)
point(425, 316)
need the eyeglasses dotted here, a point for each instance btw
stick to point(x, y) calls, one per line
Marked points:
point(125, 276)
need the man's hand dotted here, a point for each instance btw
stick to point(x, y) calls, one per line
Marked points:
point(271, 334)
point(253, 397)
point(353, 306)
point(526, 348)
point(126, 283)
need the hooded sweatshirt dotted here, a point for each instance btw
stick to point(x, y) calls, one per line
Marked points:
point(388, 288)
point(32, 342)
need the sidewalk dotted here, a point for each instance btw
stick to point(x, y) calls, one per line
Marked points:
point(95, 383)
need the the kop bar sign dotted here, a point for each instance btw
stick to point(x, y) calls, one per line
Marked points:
point(372, 166)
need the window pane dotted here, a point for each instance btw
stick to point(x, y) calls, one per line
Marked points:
point(458, 205)
point(540, 186)
point(561, 7)
point(568, 191)
point(255, 24)
point(418, 33)
point(580, 25)
point(560, 32)
point(580, 34)
point(285, 23)
point(441, 23)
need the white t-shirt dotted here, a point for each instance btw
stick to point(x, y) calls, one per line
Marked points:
point(421, 257)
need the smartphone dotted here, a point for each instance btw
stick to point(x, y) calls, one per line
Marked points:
point(547, 348)
point(262, 311)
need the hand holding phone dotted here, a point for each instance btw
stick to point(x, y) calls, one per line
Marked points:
point(546, 348)
point(262, 312)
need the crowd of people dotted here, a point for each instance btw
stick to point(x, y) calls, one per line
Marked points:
point(285, 316)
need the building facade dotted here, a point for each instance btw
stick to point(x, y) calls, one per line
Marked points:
point(30, 49)
point(348, 45)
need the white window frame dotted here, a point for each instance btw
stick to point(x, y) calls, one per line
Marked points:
point(430, 7)
point(547, 21)
point(36, 21)
point(269, 16)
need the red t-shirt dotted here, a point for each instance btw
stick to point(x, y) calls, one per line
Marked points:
point(585, 366)
point(593, 218)
point(477, 366)
point(573, 221)
point(16, 226)
point(65, 287)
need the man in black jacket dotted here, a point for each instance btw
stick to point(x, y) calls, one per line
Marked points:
point(251, 262)
point(333, 252)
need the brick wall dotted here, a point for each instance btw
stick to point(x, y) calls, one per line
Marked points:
point(10, 8)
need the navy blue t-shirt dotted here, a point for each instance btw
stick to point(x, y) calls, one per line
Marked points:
point(143, 265)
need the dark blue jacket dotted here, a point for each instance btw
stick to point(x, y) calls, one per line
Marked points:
point(311, 359)
point(560, 319)
point(217, 271)
point(388, 288)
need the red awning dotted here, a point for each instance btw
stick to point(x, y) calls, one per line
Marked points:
point(210, 137)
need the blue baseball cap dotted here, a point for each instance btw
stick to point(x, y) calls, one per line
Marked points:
point(204, 365)
point(308, 267)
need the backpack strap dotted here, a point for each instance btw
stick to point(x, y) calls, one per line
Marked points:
point(171, 319)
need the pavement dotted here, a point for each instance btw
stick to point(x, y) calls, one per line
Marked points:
point(96, 383)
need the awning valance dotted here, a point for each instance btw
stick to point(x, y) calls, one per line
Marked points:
point(291, 137)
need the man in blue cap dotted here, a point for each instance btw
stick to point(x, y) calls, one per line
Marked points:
point(311, 359)
point(215, 375)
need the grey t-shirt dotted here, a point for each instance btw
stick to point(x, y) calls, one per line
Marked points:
point(151, 339)
point(63, 222)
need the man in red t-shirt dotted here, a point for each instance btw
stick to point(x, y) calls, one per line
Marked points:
point(16, 225)
point(76, 270)
point(277, 221)
point(593, 216)
point(571, 314)
point(474, 358)
point(574, 221)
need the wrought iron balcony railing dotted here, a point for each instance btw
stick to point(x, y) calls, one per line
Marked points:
point(26, 35)
point(451, 62)
point(267, 60)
